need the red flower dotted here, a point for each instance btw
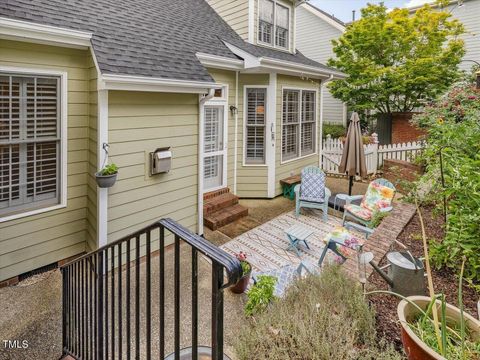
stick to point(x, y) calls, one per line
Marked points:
point(241, 256)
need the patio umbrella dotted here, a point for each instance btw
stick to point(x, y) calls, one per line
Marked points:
point(353, 156)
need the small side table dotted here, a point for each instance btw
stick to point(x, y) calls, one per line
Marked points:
point(341, 197)
point(296, 234)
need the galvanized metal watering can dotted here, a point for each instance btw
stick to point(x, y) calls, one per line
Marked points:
point(405, 274)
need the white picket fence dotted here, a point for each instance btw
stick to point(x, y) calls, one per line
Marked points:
point(375, 154)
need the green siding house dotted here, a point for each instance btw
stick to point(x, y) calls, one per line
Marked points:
point(82, 83)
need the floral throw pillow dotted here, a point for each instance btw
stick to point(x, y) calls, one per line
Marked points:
point(313, 187)
point(377, 197)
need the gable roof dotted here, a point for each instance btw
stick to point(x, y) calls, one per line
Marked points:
point(150, 38)
point(330, 19)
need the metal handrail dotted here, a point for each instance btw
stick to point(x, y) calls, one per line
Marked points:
point(93, 294)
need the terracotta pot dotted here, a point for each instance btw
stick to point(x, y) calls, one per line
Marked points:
point(415, 348)
point(242, 284)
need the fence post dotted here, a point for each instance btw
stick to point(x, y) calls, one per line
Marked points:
point(375, 151)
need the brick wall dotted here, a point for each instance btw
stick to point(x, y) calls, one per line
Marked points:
point(402, 130)
point(397, 171)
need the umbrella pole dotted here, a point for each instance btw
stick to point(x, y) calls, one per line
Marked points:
point(350, 186)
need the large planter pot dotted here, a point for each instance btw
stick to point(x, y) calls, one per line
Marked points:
point(242, 284)
point(105, 181)
point(415, 348)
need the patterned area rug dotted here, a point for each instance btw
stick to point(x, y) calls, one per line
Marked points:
point(266, 245)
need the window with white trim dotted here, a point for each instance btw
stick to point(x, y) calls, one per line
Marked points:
point(298, 123)
point(273, 24)
point(29, 142)
point(255, 109)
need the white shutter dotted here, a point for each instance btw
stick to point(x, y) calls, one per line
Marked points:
point(255, 127)
point(308, 122)
point(290, 124)
point(29, 142)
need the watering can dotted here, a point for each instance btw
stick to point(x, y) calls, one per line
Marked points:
point(405, 274)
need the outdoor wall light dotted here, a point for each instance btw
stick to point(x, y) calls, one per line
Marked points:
point(233, 110)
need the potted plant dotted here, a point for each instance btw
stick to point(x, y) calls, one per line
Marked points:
point(432, 329)
point(242, 284)
point(107, 176)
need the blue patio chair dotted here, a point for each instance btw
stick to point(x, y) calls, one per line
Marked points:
point(379, 197)
point(312, 193)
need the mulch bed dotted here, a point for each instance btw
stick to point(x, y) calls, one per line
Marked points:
point(444, 280)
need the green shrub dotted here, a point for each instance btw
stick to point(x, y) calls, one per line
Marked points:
point(109, 170)
point(453, 130)
point(335, 131)
point(320, 317)
point(260, 295)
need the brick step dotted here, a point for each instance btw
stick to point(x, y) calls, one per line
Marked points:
point(225, 216)
point(212, 194)
point(218, 203)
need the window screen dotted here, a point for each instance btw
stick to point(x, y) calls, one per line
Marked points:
point(255, 126)
point(298, 123)
point(265, 23)
point(281, 27)
point(29, 142)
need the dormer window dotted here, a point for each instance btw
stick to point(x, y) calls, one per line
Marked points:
point(273, 24)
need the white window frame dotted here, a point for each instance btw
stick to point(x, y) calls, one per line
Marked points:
point(220, 102)
point(245, 110)
point(274, 32)
point(63, 138)
point(315, 152)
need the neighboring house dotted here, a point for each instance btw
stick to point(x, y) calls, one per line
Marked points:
point(468, 12)
point(315, 31)
point(224, 89)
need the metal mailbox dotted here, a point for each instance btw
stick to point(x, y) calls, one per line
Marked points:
point(160, 161)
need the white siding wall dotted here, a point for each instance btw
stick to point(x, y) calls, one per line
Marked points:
point(314, 36)
point(469, 15)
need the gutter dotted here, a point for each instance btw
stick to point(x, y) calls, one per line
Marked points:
point(144, 83)
point(320, 141)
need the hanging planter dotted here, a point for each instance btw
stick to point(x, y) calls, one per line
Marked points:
point(107, 177)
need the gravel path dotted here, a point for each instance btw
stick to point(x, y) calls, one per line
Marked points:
point(31, 311)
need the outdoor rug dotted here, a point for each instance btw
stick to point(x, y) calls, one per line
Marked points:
point(266, 245)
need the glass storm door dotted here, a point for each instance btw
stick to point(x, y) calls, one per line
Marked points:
point(214, 148)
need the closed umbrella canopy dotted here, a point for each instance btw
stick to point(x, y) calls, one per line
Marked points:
point(353, 156)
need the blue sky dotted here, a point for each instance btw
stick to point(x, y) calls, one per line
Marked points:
point(342, 9)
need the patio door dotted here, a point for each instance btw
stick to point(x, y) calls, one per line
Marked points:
point(214, 147)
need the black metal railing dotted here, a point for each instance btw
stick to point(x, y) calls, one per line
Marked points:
point(107, 304)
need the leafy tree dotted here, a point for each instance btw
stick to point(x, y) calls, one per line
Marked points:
point(394, 60)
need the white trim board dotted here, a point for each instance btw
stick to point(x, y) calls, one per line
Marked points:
point(312, 9)
point(19, 30)
point(270, 132)
point(63, 139)
point(102, 194)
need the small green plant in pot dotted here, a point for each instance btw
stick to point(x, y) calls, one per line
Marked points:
point(107, 176)
point(242, 284)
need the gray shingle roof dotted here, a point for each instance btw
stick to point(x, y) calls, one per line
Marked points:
point(154, 38)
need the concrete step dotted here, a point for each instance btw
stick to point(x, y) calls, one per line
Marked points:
point(225, 216)
point(219, 202)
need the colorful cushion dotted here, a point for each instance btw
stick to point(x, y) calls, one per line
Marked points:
point(377, 197)
point(346, 243)
point(359, 212)
point(313, 187)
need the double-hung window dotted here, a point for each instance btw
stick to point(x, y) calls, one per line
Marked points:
point(29, 142)
point(273, 24)
point(255, 121)
point(298, 123)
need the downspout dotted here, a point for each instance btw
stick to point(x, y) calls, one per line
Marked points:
point(320, 151)
point(211, 93)
point(235, 142)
